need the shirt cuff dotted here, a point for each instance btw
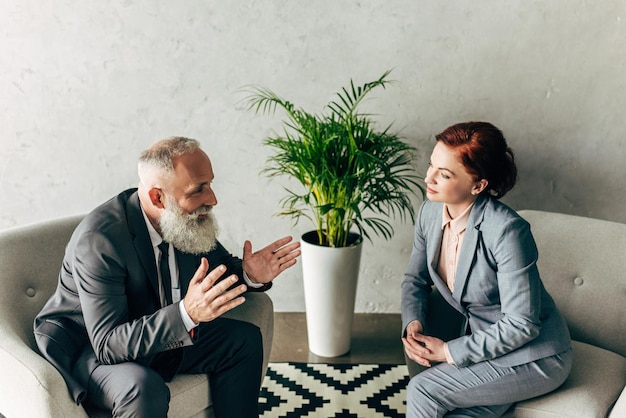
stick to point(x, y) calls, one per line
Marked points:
point(251, 283)
point(446, 351)
point(189, 324)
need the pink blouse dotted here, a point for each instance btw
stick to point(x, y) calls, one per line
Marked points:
point(453, 233)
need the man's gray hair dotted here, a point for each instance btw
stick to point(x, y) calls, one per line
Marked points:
point(159, 156)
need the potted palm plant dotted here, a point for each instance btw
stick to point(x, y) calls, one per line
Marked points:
point(352, 177)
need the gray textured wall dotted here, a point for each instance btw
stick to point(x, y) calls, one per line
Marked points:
point(85, 86)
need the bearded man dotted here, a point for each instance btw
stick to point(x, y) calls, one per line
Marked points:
point(122, 322)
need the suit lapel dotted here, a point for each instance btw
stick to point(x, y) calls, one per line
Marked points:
point(468, 249)
point(434, 250)
point(141, 240)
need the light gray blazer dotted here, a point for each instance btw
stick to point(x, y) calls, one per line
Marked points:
point(498, 289)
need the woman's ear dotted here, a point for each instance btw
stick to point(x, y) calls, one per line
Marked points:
point(157, 198)
point(480, 186)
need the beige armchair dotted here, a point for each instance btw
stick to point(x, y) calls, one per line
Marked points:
point(30, 260)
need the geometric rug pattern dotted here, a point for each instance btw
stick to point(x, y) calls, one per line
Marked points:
point(295, 390)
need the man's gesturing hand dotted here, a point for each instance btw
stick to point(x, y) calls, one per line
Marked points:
point(206, 300)
point(264, 265)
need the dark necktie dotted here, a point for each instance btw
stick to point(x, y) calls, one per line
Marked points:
point(164, 267)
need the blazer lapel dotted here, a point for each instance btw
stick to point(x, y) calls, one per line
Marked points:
point(141, 240)
point(468, 248)
point(434, 250)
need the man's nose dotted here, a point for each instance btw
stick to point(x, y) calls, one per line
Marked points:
point(211, 199)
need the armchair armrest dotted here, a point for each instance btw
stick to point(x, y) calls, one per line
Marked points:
point(258, 309)
point(31, 387)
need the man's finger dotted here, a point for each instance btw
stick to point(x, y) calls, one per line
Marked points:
point(225, 297)
point(247, 249)
point(273, 247)
point(284, 266)
point(230, 305)
point(288, 249)
point(200, 273)
point(209, 283)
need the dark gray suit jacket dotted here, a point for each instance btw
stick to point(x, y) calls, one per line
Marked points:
point(106, 307)
point(498, 288)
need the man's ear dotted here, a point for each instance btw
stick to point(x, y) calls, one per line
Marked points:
point(157, 197)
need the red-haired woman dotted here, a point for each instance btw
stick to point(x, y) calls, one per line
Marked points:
point(481, 256)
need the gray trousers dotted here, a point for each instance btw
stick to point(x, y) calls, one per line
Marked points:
point(482, 389)
point(230, 351)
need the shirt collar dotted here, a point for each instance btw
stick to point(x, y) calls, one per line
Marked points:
point(155, 238)
point(458, 224)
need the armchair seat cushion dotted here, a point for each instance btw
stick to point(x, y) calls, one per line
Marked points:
point(596, 380)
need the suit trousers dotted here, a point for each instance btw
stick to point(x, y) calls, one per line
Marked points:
point(482, 389)
point(229, 351)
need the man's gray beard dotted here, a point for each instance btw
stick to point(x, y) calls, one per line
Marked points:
point(185, 231)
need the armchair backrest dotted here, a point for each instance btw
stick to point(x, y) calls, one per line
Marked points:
point(582, 262)
point(30, 261)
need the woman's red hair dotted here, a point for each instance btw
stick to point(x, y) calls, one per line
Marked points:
point(484, 153)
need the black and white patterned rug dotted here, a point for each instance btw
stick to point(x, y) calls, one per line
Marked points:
point(293, 390)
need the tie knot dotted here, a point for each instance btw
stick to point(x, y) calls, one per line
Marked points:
point(164, 247)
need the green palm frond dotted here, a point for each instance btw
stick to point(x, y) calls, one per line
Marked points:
point(352, 175)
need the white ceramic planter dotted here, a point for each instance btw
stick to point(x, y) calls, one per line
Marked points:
point(330, 278)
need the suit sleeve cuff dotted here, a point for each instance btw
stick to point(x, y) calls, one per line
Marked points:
point(250, 283)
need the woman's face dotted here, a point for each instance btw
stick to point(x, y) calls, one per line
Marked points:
point(448, 182)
